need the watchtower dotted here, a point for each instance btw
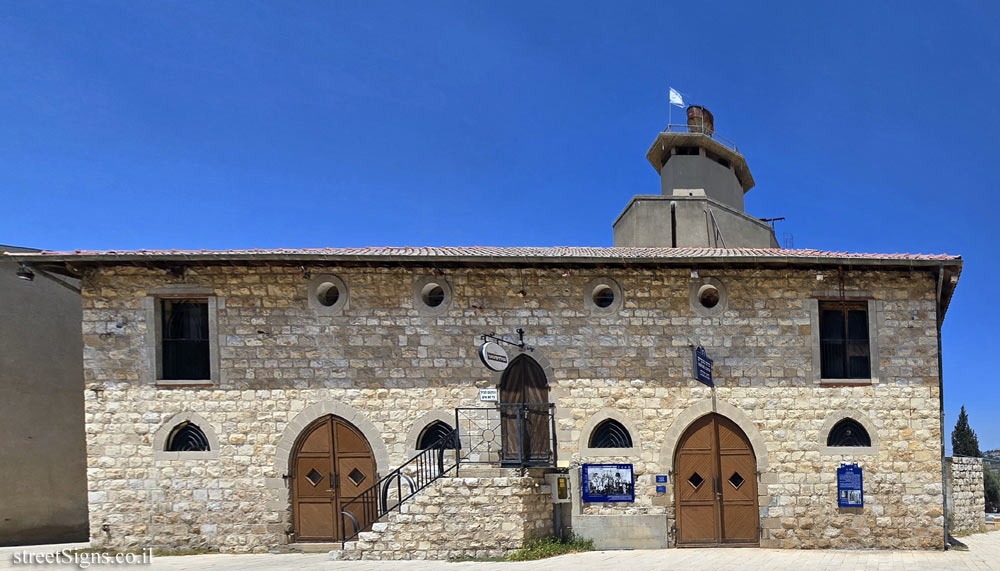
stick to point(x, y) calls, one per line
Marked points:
point(703, 178)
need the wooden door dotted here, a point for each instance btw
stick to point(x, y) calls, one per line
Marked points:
point(715, 485)
point(524, 428)
point(332, 464)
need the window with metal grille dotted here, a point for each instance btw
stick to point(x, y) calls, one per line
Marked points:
point(433, 435)
point(185, 348)
point(848, 432)
point(844, 345)
point(187, 437)
point(610, 434)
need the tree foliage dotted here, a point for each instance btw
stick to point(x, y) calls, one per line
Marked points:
point(964, 441)
point(991, 485)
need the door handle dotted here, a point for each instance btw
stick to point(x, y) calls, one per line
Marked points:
point(334, 481)
point(718, 487)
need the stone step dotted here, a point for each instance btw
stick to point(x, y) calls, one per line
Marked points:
point(310, 547)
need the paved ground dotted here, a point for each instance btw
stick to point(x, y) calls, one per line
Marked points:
point(984, 553)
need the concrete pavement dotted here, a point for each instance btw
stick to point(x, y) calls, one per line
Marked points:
point(984, 553)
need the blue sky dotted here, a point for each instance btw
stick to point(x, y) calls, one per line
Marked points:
point(227, 125)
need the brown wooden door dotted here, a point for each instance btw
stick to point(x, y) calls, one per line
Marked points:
point(332, 464)
point(524, 412)
point(715, 485)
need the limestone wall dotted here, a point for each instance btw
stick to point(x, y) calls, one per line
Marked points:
point(386, 365)
point(460, 517)
point(965, 493)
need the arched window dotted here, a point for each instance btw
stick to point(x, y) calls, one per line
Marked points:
point(848, 432)
point(187, 437)
point(610, 434)
point(432, 435)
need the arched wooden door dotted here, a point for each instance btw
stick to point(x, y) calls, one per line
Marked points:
point(715, 485)
point(524, 413)
point(332, 464)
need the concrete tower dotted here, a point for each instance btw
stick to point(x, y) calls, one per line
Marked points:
point(702, 182)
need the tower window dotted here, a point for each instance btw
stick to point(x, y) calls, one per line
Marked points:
point(610, 434)
point(686, 150)
point(844, 345)
point(848, 432)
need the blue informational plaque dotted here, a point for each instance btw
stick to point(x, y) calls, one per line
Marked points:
point(607, 483)
point(850, 492)
point(703, 366)
point(661, 479)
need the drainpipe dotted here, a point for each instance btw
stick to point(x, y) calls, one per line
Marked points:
point(944, 474)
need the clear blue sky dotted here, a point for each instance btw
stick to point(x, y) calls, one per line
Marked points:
point(239, 124)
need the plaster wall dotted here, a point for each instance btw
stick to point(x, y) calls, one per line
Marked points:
point(43, 497)
point(647, 222)
point(699, 171)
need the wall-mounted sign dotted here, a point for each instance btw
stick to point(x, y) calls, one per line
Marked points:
point(850, 491)
point(703, 366)
point(607, 483)
point(489, 395)
point(661, 489)
point(661, 479)
point(493, 356)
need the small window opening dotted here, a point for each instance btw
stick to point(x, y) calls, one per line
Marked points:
point(610, 434)
point(686, 151)
point(844, 345)
point(708, 296)
point(187, 437)
point(848, 432)
point(432, 294)
point(603, 296)
point(327, 294)
point(435, 435)
point(185, 339)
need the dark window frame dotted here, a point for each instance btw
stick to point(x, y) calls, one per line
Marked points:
point(844, 340)
point(610, 434)
point(187, 437)
point(433, 433)
point(185, 339)
point(848, 433)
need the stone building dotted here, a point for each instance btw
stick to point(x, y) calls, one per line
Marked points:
point(247, 400)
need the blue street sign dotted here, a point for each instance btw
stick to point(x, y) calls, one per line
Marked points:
point(661, 489)
point(661, 479)
point(703, 366)
point(850, 492)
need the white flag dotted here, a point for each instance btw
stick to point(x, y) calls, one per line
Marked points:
point(675, 98)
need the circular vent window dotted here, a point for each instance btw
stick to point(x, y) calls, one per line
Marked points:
point(708, 296)
point(327, 294)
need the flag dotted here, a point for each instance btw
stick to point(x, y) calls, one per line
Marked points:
point(675, 98)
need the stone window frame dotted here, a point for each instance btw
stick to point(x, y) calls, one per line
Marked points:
point(154, 332)
point(857, 416)
point(616, 289)
point(418, 299)
point(599, 417)
point(697, 307)
point(342, 302)
point(163, 433)
point(875, 319)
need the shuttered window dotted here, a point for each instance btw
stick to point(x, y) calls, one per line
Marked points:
point(185, 348)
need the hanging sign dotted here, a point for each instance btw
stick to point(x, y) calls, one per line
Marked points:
point(850, 492)
point(493, 356)
point(607, 483)
point(702, 366)
point(489, 395)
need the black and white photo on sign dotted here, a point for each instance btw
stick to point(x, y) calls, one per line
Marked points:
point(609, 481)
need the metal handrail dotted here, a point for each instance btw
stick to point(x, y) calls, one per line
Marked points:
point(418, 473)
point(699, 130)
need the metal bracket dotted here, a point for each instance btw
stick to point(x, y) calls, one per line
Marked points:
point(492, 336)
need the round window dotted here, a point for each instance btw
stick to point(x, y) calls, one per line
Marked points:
point(603, 296)
point(708, 296)
point(432, 294)
point(327, 294)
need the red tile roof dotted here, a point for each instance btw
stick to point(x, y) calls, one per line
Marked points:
point(485, 253)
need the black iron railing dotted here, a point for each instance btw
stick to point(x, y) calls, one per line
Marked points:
point(400, 485)
point(508, 435)
point(514, 435)
point(700, 130)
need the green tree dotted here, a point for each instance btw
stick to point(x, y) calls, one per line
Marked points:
point(963, 439)
point(991, 485)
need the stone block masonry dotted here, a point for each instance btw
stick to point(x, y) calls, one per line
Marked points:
point(387, 365)
point(965, 494)
point(459, 517)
